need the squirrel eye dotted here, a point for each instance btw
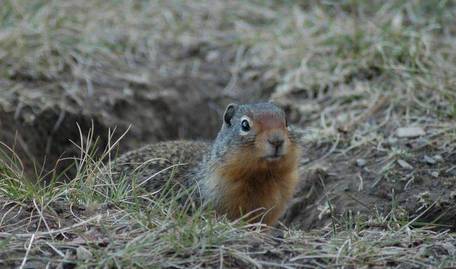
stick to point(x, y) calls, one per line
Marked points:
point(245, 126)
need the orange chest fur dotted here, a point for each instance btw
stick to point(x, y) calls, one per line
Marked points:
point(266, 193)
point(243, 185)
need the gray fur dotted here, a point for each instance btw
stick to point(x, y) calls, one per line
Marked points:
point(198, 159)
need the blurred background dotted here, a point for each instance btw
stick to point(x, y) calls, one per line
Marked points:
point(168, 68)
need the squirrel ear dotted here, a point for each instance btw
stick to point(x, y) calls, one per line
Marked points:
point(229, 113)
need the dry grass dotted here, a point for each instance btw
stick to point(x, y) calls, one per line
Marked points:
point(347, 55)
point(352, 72)
point(99, 223)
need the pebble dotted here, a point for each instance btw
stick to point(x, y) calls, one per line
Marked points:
point(404, 164)
point(409, 132)
point(83, 254)
point(212, 56)
point(392, 140)
point(453, 195)
point(438, 157)
point(435, 174)
point(361, 162)
point(429, 160)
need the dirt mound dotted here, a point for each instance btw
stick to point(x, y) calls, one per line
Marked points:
point(406, 179)
point(334, 187)
point(337, 190)
point(40, 126)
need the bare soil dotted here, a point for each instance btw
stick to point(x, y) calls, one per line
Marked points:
point(337, 187)
point(190, 108)
point(40, 124)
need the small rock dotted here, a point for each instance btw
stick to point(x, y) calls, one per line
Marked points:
point(421, 142)
point(361, 162)
point(409, 132)
point(392, 141)
point(128, 92)
point(404, 164)
point(435, 174)
point(438, 157)
point(212, 56)
point(83, 254)
point(429, 160)
point(453, 195)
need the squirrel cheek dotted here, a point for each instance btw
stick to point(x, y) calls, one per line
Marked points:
point(261, 146)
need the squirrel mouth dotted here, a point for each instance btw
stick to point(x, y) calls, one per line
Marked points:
point(274, 157)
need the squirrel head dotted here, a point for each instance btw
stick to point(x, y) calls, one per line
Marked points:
point(260, 130)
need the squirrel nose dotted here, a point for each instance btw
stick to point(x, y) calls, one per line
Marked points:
point(276, 142)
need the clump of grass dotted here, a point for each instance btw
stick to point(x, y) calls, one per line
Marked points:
point(16, 185)
point(91, 221)
point(344, 56)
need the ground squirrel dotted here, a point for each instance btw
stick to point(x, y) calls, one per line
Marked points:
point(251, 166)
